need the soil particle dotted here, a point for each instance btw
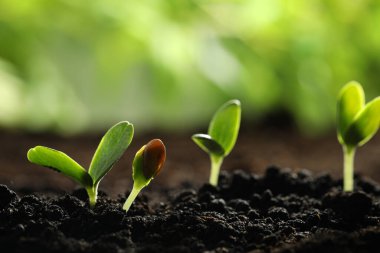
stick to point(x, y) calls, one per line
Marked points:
point(351, 205)
point(6, 196)
point(281, 211)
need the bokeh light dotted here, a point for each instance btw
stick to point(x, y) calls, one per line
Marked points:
point(75, 66)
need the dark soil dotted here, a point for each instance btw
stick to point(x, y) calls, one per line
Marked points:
point(256, 148)
point(281, 211)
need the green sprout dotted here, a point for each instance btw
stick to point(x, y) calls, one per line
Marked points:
point(146, 165)
point(357, 123)
point(222, 134)
point(110, 149)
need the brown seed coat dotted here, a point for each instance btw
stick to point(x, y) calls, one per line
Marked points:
point(154, 156)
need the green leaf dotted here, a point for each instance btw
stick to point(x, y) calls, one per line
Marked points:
point(351, 100)
point(110, 149)
point(205, 142)
point(138, 176)
point(60, 162)
point(225, 124)
point(365, 124)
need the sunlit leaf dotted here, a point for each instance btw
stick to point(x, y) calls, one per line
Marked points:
point(224, 126)
point(138, 176)
point(351, 100)
point(110, 149)
point(365, 124)
point(59, 162)
point(205, 142)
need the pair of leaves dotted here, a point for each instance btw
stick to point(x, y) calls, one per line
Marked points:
point(110, 149)
point(357, 121)
point(223, 130)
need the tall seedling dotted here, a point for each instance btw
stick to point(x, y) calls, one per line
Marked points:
point(357, 123)
point(221, 137)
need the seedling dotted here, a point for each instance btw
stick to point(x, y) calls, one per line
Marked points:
point(357, 123)
point(221, 138)
point(146, 165)
point(109, 151)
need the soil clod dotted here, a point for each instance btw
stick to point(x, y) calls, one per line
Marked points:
point(281, 211)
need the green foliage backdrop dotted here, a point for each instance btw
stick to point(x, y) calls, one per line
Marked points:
point(70, 65)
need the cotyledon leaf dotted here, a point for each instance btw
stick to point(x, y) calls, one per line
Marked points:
point(205, 142)
point(110, 149)
point(224, 126)
point(351, 100)
point(138, 176)
point(60, 162)
point(365, 124)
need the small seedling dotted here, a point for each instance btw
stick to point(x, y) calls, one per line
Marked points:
point(110, 149)
point(146, 165)
point(357, 123)
point(222, 134)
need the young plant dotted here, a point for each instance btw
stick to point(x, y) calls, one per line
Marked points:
point(357, 122)
point(109, 151)
point(146, 165)
point(222, 134)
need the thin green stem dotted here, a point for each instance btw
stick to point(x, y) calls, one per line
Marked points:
point(92, 194)
point(216, 162)
point(348, 172)
point(132, 196)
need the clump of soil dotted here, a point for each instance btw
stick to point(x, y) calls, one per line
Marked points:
point(280, 211)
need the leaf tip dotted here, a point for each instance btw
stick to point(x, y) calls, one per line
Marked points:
point(126, 124)
point(352, 86)
point(233, 102)
point(195, 137)
point(32, 152)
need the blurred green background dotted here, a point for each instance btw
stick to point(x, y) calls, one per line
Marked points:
point(74, 66)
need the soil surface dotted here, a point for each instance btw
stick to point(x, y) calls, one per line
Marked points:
point(280, 211)
point(256, 149)
point(271, 210)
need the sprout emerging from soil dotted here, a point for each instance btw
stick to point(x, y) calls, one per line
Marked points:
point(146, 165)
point(221, 138)
point(110, 149)
point(357, 123)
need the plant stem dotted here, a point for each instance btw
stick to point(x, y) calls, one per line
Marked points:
point(132, 196)
point(92, 195)
point(348, 171)
point(216, 162)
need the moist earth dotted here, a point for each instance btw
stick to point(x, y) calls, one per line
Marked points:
point(280, 211)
